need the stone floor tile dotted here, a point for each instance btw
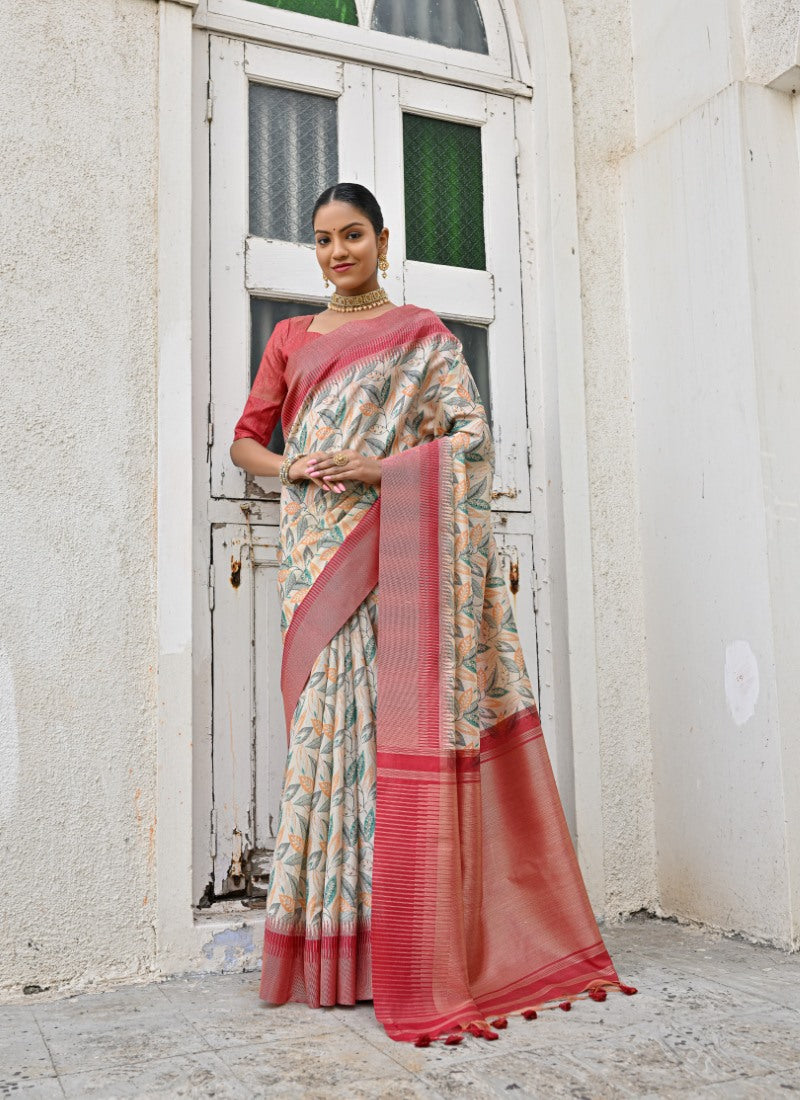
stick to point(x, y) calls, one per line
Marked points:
point(192, 989)
point(194, 1075)
point(686, 1056)
point(100, 1029)
point(770, 1087)
point(23, 1051)
point(333, 1065)
point(236, 1016)
point(40, 1088)
point(523, 1074)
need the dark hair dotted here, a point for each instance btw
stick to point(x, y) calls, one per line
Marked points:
point(357, 195)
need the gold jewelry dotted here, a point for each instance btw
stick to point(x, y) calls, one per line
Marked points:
point(325, 279)
point(347, 303)
point(383, 264)
point(287, 463)
point(340, 459)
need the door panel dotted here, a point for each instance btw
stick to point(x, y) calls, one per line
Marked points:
point(248, 728)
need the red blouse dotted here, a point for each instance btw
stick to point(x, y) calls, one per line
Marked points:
point(263, 407)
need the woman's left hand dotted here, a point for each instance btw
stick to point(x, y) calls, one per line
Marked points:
point(357, 468)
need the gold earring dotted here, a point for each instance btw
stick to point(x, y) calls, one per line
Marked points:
point(383, 264)
point(325, 279)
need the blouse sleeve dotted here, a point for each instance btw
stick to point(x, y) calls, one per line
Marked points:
point(263, 406)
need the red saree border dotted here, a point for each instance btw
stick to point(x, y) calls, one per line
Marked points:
point(479, 905)
point(326, 358)
point(345, 581)
point(326, 969)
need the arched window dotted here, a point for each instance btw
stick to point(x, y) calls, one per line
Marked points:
point(454, 23)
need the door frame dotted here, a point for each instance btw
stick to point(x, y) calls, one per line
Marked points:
point(214, 940)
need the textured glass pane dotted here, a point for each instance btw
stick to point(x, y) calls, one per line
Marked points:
point(264, 316)
point(443, 192)
point(455, 23)
point(343, 11)
point(476, 353)
point(293, 156)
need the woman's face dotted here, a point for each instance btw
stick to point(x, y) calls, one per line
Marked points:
point(346, 239)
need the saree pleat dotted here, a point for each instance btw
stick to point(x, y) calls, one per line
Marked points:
point(320, 894)
point(423, 858)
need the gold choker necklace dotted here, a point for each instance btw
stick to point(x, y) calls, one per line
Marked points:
point(345, 303)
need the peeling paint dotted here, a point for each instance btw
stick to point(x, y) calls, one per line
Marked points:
point(231, 948)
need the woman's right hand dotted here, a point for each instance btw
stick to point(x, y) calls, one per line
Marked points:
point(299, 469)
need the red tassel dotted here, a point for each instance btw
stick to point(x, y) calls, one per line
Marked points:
point(489, 1034)
point(566, 1005)
point(629, 989)
point(453, 1039)
point(423, 1041)
point(598, 994)
point(530, 1014)
point(500, 1022)
point(475, 1030)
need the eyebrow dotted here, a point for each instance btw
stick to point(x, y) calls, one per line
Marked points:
point(343, 227)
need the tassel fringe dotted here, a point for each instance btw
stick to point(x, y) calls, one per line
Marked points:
point(483, 1029)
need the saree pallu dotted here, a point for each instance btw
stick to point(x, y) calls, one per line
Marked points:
point(423, 858)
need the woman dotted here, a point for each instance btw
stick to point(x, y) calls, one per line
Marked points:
point(422, 857)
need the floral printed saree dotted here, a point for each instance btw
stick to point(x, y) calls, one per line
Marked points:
point(423, 858)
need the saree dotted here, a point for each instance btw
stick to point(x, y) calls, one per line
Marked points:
point(422, 856)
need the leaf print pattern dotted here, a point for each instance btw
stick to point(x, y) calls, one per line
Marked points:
point(320, 890)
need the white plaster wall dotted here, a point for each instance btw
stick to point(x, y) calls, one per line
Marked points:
point(715, 322)
point(771, 31)
point(684, 51)
point(78, 160)
point(602, 79)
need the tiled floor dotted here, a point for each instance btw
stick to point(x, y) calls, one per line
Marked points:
point(714, 1017)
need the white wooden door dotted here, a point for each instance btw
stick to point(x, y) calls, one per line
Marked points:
point(348, 121)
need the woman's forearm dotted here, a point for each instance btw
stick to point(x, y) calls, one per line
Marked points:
point(256, 460)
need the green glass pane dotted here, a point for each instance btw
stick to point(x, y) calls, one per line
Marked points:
point(342, 11)
point(264, 316)
point(443, 177)
point(476, 354)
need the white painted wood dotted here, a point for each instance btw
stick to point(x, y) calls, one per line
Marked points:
point(201, 793)
point(173, 837)
point(232, 708)
point(456, 104)
point(274, 66)
point(307, 32)
point(230, 306)
point(281, 269)
point(458, 292)
point(356, 156)
point(387, 140)
point(268, 721)
point(506, 351)
point(516, 555)
point(249, 728)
